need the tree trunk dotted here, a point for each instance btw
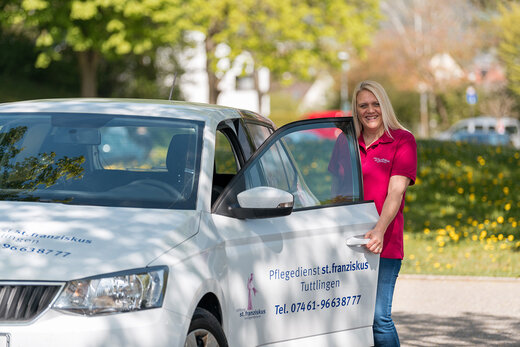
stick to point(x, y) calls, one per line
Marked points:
point(88, 64)
point(213, 80)
point(443, 113)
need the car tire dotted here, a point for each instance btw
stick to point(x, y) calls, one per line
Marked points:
point(205, 331)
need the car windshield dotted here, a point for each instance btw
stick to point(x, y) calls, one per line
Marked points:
point(97, 159)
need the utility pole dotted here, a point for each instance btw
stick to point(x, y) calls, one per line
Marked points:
point(344, 104)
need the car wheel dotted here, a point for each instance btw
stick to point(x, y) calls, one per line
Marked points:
point(205, 331)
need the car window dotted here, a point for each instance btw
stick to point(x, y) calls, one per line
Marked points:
point(259, 132)
point(511, 130)
point(317, 170)
point(105, 160)
point(225, 160)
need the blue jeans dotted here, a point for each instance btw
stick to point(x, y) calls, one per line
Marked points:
point(385, 334)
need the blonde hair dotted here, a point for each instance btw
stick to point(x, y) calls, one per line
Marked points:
point(389, 118)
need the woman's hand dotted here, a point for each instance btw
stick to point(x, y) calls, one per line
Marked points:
point(376, 236)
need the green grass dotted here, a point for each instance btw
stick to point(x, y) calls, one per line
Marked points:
point(464, 258)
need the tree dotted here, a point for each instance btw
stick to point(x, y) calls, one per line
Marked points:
point(509, 47)
point(93, 29)
point(419, 47)
point(286, 36)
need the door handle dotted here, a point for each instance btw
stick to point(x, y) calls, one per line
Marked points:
point(357, 241)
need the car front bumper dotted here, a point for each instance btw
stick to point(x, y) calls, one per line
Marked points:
point(155, 327)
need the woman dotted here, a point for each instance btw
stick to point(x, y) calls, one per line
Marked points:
point(389, 163)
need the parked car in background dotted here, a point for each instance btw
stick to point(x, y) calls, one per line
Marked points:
point(159, 223)
point(482, 137)
point(485, 130)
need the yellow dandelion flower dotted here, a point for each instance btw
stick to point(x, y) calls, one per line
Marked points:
point(426, 231)
point(507, 207)
point(467, 255)
point(474, 237)
point(449, 266)
point(460, 190)
point(510, 238)
point(437, 265)
point(500, 219)
point(500, 237)
point(412, 256)
point(506, 190)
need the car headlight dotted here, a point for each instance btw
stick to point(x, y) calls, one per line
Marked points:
point(127, 291)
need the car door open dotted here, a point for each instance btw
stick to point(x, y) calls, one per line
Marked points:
point(293, 221)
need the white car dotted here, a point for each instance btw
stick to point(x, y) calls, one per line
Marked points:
point(159, 223)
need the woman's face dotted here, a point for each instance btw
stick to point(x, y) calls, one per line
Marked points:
point(369, 111)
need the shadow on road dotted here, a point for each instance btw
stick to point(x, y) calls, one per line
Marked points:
point(468, 329)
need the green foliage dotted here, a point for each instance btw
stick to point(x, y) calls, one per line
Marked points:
point(302, 36)
point(461, 216)
point(466, 198)
point(284, 108)
point(458, 181)
point(20, 80)
point(509, 48)
point(93, 29)
point(110, 27)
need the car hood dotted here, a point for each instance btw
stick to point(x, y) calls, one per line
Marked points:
point(55, 242)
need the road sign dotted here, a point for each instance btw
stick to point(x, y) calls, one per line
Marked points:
point(471, 95)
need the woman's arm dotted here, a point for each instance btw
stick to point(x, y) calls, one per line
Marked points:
point(396, 189)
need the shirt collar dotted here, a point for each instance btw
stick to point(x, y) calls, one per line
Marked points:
point(385, 138)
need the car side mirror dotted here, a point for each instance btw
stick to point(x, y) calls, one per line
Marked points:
point(263, 202)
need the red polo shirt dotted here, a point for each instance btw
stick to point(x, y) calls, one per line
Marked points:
point(388, 156)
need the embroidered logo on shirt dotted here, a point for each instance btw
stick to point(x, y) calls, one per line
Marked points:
point(381, 160)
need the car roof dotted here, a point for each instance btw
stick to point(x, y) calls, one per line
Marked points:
point(134, 107)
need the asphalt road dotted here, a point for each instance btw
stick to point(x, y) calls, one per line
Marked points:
point(457, 311)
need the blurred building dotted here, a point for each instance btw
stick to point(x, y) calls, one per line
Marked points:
point(486, 71)
point(237, 85)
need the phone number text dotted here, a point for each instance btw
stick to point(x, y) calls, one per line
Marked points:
point(313, 305)
point(41, 251)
